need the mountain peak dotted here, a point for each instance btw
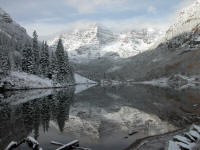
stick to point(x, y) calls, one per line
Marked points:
point(94, 41)
point(91, 27)
point(186, 20)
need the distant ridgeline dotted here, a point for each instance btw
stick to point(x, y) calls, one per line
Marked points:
point(19, 52)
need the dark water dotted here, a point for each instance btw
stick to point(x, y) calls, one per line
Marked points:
point(100, 118)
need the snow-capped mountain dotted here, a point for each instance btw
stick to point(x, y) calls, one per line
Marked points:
point(185, 31)
point(186, 20)
point(131, 43)
point(95, 41)
point(10, 28)
point(177, 52)
point(84, 44)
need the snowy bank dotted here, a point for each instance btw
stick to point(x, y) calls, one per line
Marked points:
point(82, 80)
point(22, 80)
point(182, 139)
point(188, 140)
point(175, 81)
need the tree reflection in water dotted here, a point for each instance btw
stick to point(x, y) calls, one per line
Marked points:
point(19, 121)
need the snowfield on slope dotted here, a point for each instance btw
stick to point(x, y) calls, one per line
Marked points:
point(22, 80)
point(82, 80)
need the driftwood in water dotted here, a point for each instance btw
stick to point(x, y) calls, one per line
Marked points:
point(34, 144)
point(56, 143)
point(69, 146)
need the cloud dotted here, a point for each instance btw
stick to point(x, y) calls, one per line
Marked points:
point(183, 4)
point(152, 9)
point(89, 6)
point(47, 30)
point(44, 29)
point(50, 16)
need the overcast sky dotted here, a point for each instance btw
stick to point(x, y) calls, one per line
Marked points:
point(51, 16)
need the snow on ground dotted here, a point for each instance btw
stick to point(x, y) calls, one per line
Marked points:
point(176, 140)
point(82, 80)
point(22, 80)
point(186, 142)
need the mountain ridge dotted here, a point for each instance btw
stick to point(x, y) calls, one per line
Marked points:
point(12, 29)
point(96, 41)
point(176, 53)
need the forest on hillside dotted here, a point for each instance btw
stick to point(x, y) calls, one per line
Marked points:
point(35, 57)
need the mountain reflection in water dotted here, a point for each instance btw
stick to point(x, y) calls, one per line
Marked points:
point(101, 118)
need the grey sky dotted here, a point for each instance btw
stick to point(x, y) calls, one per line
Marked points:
point(50, 16)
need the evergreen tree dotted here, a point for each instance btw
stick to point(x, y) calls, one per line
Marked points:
point(44, 60)
point(28, 59)
point(4, 62)
point(53, 67)
point(36, 55)
point(17, 61)
point(61, 68)
point(69, 70)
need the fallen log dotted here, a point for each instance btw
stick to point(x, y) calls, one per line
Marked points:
point(69, 146)
point(73, 146)
point(56, 143)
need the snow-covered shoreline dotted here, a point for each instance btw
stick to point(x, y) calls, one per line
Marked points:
point(187, 138)
point(177, 81)
point(24, 81)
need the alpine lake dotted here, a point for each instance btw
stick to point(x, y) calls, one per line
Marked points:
point(101, 118)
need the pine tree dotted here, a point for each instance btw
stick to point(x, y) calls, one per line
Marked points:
point(36, 55)
point(28, 59)
point(53, 67)
point(44, 60)
point(4, 62)
point(61, 69)
point(68, 70)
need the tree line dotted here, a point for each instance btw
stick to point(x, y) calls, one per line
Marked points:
point(34, 57)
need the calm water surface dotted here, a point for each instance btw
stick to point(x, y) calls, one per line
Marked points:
point(100, 118)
